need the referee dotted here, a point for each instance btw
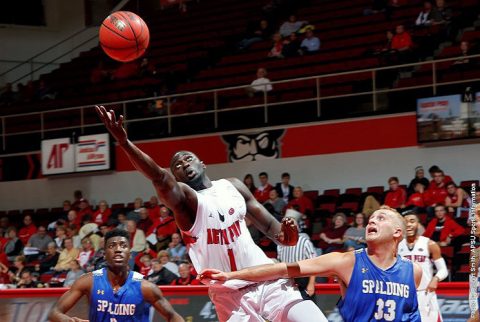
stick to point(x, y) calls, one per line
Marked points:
point(304, 249)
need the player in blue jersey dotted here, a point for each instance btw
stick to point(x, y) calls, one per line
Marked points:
point(115, 293)
point(376, 284)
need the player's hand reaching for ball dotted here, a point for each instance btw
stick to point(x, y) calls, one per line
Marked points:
point(288, 235)
point(212, 274)
point(113, 126)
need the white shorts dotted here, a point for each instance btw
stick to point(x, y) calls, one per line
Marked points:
point(428, 307)
point(268, 300)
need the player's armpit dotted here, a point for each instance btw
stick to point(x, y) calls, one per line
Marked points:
point(417, 274)
point(153, 295)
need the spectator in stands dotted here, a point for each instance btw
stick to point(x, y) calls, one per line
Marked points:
point(86, 253)
point(354, 237)
point(424, 18)
point(442, 228)
point(416, 201)
point(402, 44)
point(442, 17)
point(385, 51)
point(260, 85)
point(13, 246)
point(15, 274)
point(73, 274)
point(7, 97)
point(284, 188)
point(83, 209)
point(77, 196)
point(396, 197)
point(160, 274)
point(277, 204)
point(164, 259)
point(291, 26)
point(186, 277)
point(73, 219)
point(122, 221)
point(27, 230)
point(310, 44)
point(331, 238)
point(153, 208)
point(101, 215)
point(463, 63)
point(291, 45)
point(67, 255)
point(61, 234)
point(72, 232)
point(457, 199)
point(48, 263)
point(304, 204)
point(419, 177)
point(4, 279)
point(176, 250)
point(40, 240)
point(276, 51)
point(165, 227)
point(262, 32)
point(44, 92)
point(27, 281)
point(436, 192)
point(97, 261)
point(249, 182)
point(437, 173)
point(99, 74)
point(263, 190)
point(137, 240)
point(145, 265)
point(145, 223)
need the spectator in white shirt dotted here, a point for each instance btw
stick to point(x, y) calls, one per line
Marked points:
point(310, 44)
point(261, 84)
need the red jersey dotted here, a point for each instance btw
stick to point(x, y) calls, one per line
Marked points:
point(154, 213)
point(435, 196)
point(446, 179)
point(416, 199)
point(262, 195)
point(26, 232)
point(396, 199)
point(304, 204)
point(101, 218)
point(165, 227)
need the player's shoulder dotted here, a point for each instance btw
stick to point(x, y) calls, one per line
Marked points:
point(84, 282)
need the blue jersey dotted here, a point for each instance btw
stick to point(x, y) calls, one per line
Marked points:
point(127, 304)
point(374, 294)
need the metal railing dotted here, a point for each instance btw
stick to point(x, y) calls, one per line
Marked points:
point(217, 103)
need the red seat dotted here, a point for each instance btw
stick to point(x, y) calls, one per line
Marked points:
point(332, 192)
point(311, 194)
point(353, 191)
point(467, 184)
point(376, 189)
point(351, 205)
point(330, 207)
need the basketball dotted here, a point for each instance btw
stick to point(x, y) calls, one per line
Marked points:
point(124, 36)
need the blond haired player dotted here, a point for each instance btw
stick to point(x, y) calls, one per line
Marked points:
point(211, 216)
point(376, 284)
point(426, 253)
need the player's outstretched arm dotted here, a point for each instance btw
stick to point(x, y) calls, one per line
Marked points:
point(285, 233)
point(81, 287)
point(153, 295)
point(340, 264)
point(179, 198)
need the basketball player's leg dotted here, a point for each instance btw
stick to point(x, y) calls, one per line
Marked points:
point(300, 310)
point(234, 305)
point(428, 307)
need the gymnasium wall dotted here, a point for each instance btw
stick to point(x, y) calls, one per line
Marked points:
point(335, 154)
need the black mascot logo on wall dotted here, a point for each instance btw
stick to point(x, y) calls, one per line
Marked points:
point(254, 146)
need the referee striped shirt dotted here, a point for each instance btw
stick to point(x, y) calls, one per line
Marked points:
point(302, 250)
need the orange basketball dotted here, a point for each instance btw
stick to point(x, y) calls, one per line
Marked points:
point(124, 36)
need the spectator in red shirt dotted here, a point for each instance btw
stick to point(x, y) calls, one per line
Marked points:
point(304, 204)
point(84, 209)
point(437, 191)
point(165, 227)
point(77, 195)
point(153, 208)
point(397, 196)
point(331, 238)
point(442, 228)
point(457, 199)
point(186, 278)
point(438, 176)
point(102, 214)
point(416, 199)
point(73, 219)
point(27, 230)
point(402, 44)
point(263, 191)
point(145, 223)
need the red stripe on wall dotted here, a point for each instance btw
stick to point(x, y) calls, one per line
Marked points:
point(362, 135)
point(209, 149)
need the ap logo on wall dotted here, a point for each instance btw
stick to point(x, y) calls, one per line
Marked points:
point(254, 145)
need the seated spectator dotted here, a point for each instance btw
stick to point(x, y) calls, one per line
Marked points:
point(27, 230)
point(424, 18)
point(86, 253)
point(176, 250)
point(416, 200)
point(122, 221)
point(97, 261)
point(77, 196)
point(262, 32)
point(263, 190)
point(101, 215)
point(402, 44)
point(44, 92)
point(260, 85)
point(438, 177)
point(72, 232)
point(385, 51)
point(419, 177)
point(284, 188)
point(26, 280)
point(396, 197)
point(40, 240)
point(67, 255)
point(48, 263)
point(165, 227)
point(291, 46)
point(160, 275)
point(304, 204)
point(13, 246)
point(15, 274)
point(277, 204)
point(441, 14)
point(137, 240)
point(61, 234)
point(164, 259)
point(354, 237)
point(442, 228)
point(84, 209)
point(436, 192)
point(331, 238)
point(463, 62)
point(276, 51)
point(73, 274)
point(145, 265)
point(185, 278)
point(145, 223)
point(291, 26)
point(73, 219)
point(457, 199)
point(126, 70)
point(249, 182)
point(310, 44)
point(153, 208)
